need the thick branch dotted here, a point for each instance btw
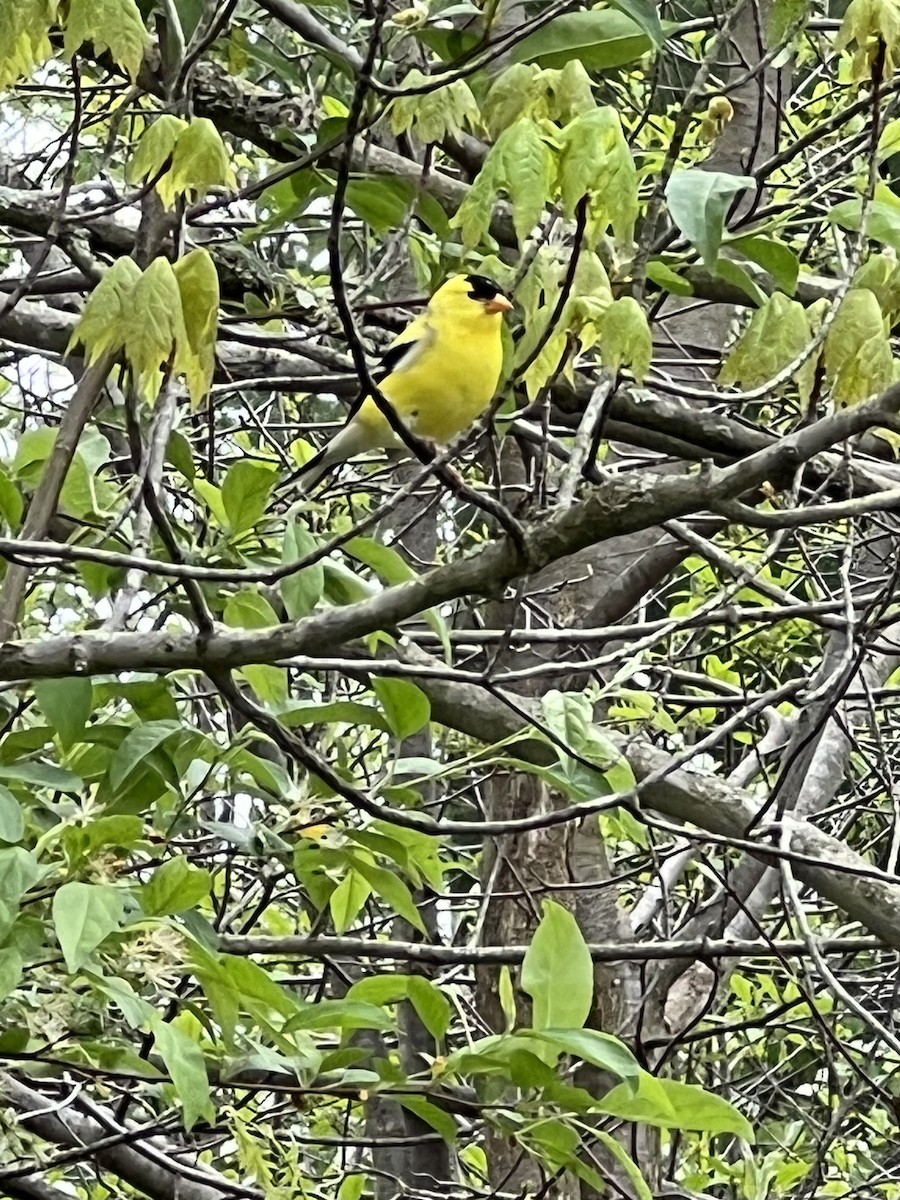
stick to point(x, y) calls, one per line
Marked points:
point(624, 504)
point(149, 1169)
point(422, 952)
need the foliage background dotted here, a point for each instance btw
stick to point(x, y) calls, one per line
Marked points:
point(519, 822)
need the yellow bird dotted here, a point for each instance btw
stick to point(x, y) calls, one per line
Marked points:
point(439, 375)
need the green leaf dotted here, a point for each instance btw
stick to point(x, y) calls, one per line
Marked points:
point(740, 277)
point(255, 986)
point(785, 17)
point(889, 140)
point(883, 224)
point(12, 820)
point(137, 1012)
point(247, 609)
point(644, 13)
point(12, 505)
point(570, 717)
point(187, 1069)
point(352, 1187)
point(302, 590)
point(866, 22)
point(66, 704)
point(512, 95)
point(555, 1142)
point(340, 1014)
point(380, 201)
point(19, 871)
point(664, 277)
point(41, 774)
point(7, 919)
point(389, 565)
point(84, 915)
point(598, 38)
point(392, 568)
point(437, 1118)
point(118, 830)
point(10, 971)
point(245, 493)
point(347, 900)
point(343, 712)
point(179, 454)
point(212, 496)
point(406, 707)
point(557, 972)
point(507, 995)
point(600, 1049)
point(393, 890)
point(136, 746)
point(380, 989)
point(34, 447)
point(431, 1005)
point(669, 1104)
point(698, 202)
point(881, 275)
point(174, 887)
point(617, 1151)
point(113, 25)
point(198, 285)
point(448, 43)
point(437, 112)
point(773, 256)
point(190, 14)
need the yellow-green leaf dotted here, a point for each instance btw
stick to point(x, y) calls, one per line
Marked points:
point(510, 97)
point(198, 284)
point(520, 165)
point(155, 147)
point(24, 44)
point(865, 22)
point(524, 90)
point(433, 114)
point(156, 325)
point(199, 162)
point(857, 355)
point(589, 297)
point(113, 25)
point(247, 609)
point(103, 326)
point(596, 161)
point(881, 275)
point(777, 333)
point(625, 339)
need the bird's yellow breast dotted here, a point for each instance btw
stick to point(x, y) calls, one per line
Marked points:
point(445, 388)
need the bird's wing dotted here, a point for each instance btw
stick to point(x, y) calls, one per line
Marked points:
point(400, 355)
point(405, 348)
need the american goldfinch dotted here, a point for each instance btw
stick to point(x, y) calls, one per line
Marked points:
point(439, 375)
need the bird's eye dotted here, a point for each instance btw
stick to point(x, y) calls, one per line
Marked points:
point(483, 289)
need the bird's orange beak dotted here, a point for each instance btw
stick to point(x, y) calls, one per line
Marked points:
point(499, 304)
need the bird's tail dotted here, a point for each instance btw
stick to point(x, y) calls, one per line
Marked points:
point(308, 477)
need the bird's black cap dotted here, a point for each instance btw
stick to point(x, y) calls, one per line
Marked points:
point(483, 288)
